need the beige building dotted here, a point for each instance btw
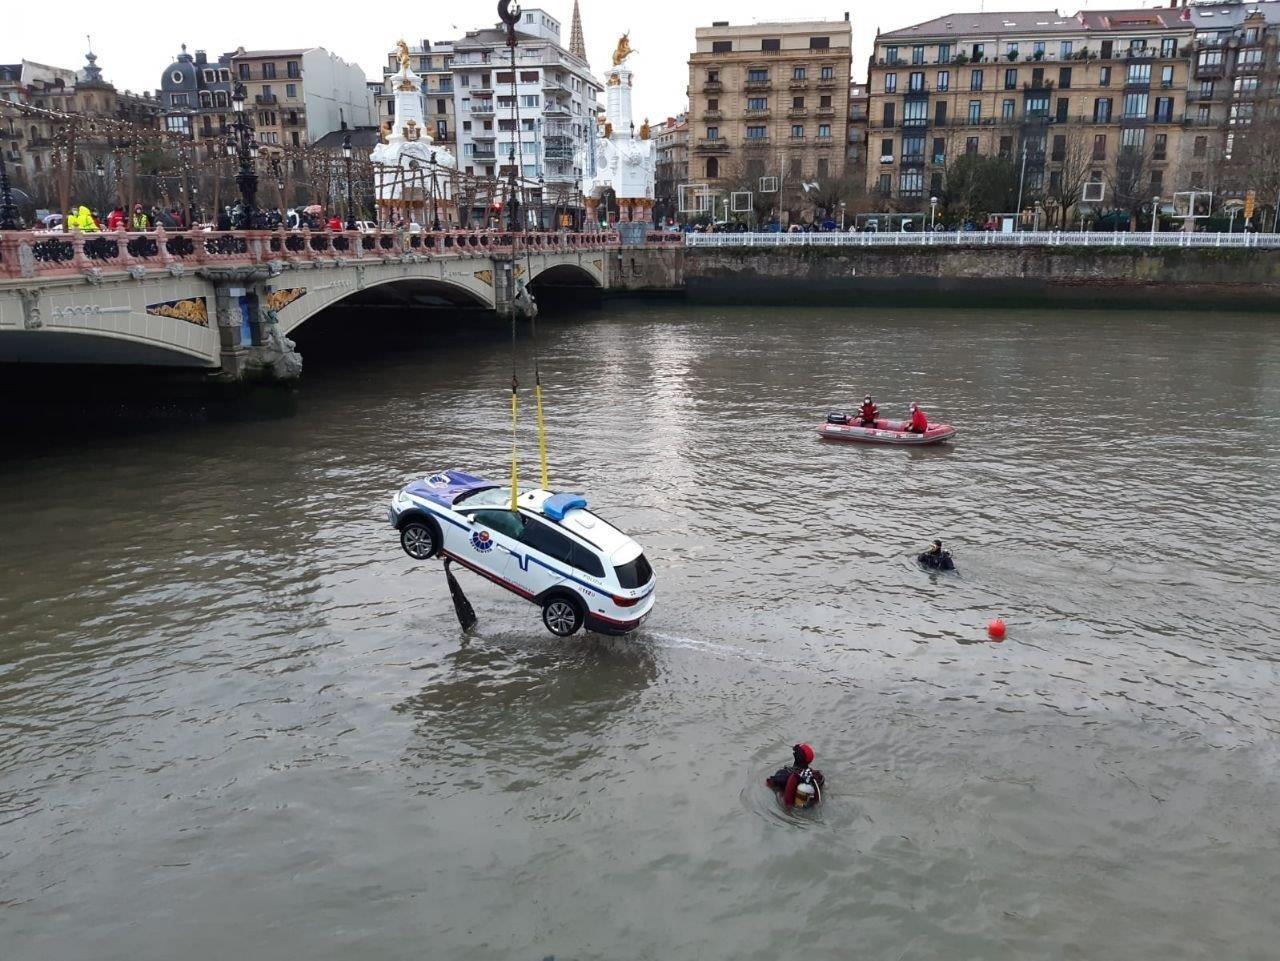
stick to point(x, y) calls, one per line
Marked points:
point(671, 145)
point(1097, 96)
point(770, 99)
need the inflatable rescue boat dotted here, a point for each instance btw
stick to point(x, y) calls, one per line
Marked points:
point(841, 426)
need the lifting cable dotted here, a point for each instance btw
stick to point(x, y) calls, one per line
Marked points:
point(537, 375)
point(515, 416)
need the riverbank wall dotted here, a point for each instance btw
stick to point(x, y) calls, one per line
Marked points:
point(1161, 278)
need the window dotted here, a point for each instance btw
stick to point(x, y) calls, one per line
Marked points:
point(1169, 47)
point(979, 52)
point(975, 79)
point(944, 53)
point(713, 76)
point(886, 150)
point(1161, 148)
point(1107, 48)
point(1055, 182)
point(1099, 146)
point(890, 83)
point(1102, 110)
point(771, 44)
point(940, 113)
point(916, 82)
point(1197, 179)
point(1007, 109)
point(797, 103)
point(1006, 148)
point(911, 183)
point(756, 75)
point(1059, 148)
point(1037, 49)
point(1011, 79)
point(1064, 78)
point(1104, 76)
point(291, 69)
point(824, 101)
point(713, 133)
point(722, 46)
point(1157, 181)
point(268, 71)
point(1164, 110)
point(1246, 86)
point(888, 115)
point(173, 124)
point(975, 111)
point(891, 54)
point(884, 186)
point(1135, 106)
point(971, 145)
point(291, 91)
point(1202, 115)
point(1139, 75)
point(917, 54)
point(1201, 146)
point(797, 131)
point(713, 104)
point(1065, 50)
point(915, 113)
point(1166, 77)
point(1011, 50)
point(1249, 59)
point(1037, 105)
point(244, 71)
point(757, 132)
point(824, 130)
point(827, 73)
point(541, 537)
point(819, 43)
point(824, 167)
point(1210, 58)
point(944, 80)
point(939, 150)
point(178, 99)
point(799, 73)
point(1133, 138)
point(713, 168)
point(757, 103)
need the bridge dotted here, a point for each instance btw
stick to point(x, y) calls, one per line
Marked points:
point(227, 301)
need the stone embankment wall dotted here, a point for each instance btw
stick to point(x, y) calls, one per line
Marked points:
point(1162, 278)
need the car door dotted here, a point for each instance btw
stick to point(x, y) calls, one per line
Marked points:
point(546, 556)
point(492, 542)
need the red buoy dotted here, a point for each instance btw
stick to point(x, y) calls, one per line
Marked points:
point(996, 629)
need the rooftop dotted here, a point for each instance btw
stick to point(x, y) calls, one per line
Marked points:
point(987, 24)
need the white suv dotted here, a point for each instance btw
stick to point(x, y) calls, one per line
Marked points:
point(554, 552)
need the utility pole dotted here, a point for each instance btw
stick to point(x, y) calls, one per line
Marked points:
point(1023, 177)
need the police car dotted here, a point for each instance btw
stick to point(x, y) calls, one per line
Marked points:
point(554, 552)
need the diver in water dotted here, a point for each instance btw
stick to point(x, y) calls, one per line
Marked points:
point(799, 784)
point(936, 559)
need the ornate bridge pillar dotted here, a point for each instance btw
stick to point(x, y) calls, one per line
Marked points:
point(249, 338)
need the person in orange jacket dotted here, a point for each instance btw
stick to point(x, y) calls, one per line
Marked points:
point(919, 423)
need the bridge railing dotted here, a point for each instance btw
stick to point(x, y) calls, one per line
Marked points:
point(27, 254)
point(981, 238)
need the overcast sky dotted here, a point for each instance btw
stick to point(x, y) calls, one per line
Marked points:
point(134, 49)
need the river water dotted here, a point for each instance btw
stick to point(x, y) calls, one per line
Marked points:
point(236, 721)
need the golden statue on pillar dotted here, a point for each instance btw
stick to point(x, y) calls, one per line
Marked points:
point(644, 129)
point(402, 52)
point(623, 50)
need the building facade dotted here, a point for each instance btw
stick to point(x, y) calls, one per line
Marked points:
point(855, 161)
point(548, 121)
point(770, 99)
point(433, 64)
point(1100, 97)
point(671, 141)
point(195, 95)
point(297, 96)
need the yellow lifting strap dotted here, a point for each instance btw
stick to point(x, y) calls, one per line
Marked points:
point(515, 460)
point(542, 437)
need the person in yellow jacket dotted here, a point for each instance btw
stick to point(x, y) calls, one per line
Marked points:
point(82, 221)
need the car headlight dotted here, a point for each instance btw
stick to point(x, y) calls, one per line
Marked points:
point(401, 500)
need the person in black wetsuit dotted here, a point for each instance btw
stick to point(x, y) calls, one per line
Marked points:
point(936, 559)
point(798, 784)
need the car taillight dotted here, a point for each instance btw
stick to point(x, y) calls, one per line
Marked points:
point(626, 601)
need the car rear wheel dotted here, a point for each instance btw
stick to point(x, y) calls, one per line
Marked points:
point(562, 615)
point(419, 539)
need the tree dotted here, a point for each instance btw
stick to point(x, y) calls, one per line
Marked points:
point(1072, 160)
point(1130, 180)
point(979, 186)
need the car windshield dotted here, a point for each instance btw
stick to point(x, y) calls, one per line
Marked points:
point(633, 574)
point(485, 497)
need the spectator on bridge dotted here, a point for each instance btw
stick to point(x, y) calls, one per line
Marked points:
point(334, 224)
point(139, 220)
point(83, 221)
point(115, 218)
point(163, 218)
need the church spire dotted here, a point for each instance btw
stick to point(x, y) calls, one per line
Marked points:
point(577, 46)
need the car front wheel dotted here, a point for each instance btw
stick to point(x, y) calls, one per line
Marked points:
point(562, 615)
point(419, 540)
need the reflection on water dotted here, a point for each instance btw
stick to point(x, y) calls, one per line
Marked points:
point(235, 719)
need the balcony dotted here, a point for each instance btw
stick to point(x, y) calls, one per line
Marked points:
point(485, 135)
point(757, 86)
point(266, 98)
point(828, 83)
point(553, 84)
point(719, 145)
point(481, 109)
point(797, 113)
point(713, 86)
point(553, 109)
point(1210, 70)
point(799, 84)
point(825, 112)
point(713, 115)
point(918, 92)
point(913, 160)
point(1037, 85)
point(484, 156)
point(755, 142)
point(821, 141)
point(756, 114)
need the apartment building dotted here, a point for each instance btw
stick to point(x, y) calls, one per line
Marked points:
point(856, 153)
point(770, 99)
point(1109, 84)
point(671, 148)
point(195, 94)
point(1233, 105)
point(297, 96)
point(548, 121)
point(433, 63)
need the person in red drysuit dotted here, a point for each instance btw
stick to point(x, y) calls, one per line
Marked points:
point(115, 218)
point(919, 423)
point(868, 412)
point(334, 223)
point(787, 780)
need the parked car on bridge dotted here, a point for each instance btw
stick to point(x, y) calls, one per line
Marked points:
point(552, 551)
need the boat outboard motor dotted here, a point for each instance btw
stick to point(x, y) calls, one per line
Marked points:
point(837, 417)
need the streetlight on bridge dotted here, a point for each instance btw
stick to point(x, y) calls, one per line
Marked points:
point(242, 147)
point(8, 209)
point(346, 156)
